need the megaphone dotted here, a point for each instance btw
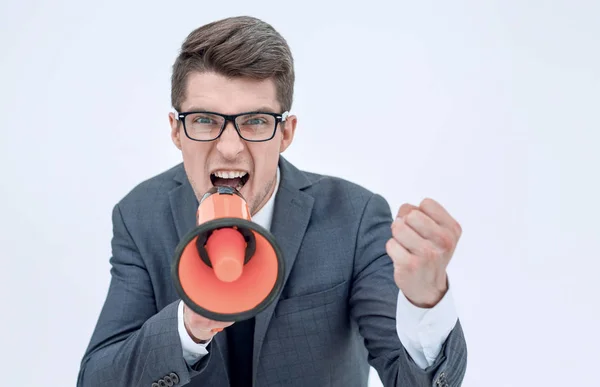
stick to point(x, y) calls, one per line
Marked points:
point(227, 268)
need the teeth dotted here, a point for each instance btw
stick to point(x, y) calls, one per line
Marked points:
point(229, 174)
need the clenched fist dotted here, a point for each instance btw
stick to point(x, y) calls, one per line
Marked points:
point(423, 241)
point(200, 328)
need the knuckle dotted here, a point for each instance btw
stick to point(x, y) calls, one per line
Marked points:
point(389, 245)
point(446, 241)
point(426, 203)
point(404, 209)
point(202, 323)
point(429, 253)
point(390, 248)
point(397, 228)
point(413, 265)
point(457, 229)
point(412, 216)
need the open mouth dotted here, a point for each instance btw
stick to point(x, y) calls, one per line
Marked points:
point(234, 179)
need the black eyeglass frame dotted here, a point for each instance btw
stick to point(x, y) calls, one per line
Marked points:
point(279, 118)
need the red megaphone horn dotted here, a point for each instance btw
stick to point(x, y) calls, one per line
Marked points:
point(227, 268)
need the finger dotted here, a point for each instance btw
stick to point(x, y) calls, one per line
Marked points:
point(399, 255)
point(405, 209)
point(200, 321)
point(407, 237)
point(439, 214)
point(212, 324)
point(221, 325)
point(428, 229)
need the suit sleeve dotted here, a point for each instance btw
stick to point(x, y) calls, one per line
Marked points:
point(133, 343)
point(374, 302)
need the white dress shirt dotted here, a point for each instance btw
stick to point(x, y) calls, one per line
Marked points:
point(421, 331)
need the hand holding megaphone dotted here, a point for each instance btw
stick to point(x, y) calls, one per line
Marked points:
point(201, 329)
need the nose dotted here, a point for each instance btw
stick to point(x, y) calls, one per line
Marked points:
point(230, 144)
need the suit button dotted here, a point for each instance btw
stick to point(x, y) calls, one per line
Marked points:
point(155, 384)
point(162, 383)
point(441, 381)
point(168, 380)
point(174, 377)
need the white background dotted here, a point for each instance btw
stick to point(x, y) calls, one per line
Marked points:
point(490, 107)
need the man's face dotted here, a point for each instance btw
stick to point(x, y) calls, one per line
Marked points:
point(229, 155)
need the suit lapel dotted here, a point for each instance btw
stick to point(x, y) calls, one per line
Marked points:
point(184, 205)
point(291, 216)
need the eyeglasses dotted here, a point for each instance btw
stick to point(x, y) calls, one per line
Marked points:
point(251, 126)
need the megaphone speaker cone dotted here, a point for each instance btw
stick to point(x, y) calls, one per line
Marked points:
point(227, 268)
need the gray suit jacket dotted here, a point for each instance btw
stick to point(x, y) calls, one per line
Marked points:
point(335, 317)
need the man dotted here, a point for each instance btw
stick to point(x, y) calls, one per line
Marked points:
point(360, 288)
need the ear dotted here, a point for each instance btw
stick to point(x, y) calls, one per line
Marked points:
point(175, 132)
point(288, 129)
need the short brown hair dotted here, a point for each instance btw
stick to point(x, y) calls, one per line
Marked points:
point(240, 46)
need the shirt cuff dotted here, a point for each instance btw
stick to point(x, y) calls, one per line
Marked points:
point(192, 351)
point(423, 331)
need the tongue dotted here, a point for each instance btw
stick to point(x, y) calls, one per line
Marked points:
point(219, 181)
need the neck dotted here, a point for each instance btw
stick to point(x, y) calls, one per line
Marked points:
point(271, 191)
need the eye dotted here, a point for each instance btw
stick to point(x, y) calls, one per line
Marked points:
point(203, 120)
point(255, 121)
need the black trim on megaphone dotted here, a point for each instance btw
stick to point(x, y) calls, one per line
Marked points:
point(206, 227)
point(222, 190)
point(246, 233)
